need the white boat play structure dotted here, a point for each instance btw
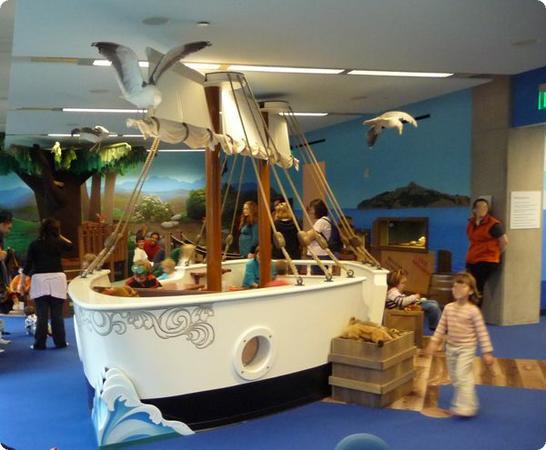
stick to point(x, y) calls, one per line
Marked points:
point(176, 360)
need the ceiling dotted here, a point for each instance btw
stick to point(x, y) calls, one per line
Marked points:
point(474, 40)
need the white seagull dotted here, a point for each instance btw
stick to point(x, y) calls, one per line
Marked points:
point(389, 119)
point(94, 135)
point(141, 93)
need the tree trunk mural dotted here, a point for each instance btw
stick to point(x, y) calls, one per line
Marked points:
point(94, 200)
point(58, 194)
point(109, 191)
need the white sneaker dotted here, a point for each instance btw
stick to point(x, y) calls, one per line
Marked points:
point(4, 341)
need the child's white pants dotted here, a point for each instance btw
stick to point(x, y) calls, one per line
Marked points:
point(460, 364)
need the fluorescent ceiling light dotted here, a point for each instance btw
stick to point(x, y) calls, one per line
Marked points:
point(179, 150)
point(284, 69)
point(132, 135)
point(203, 66)
point(104, 110)
point(61, 135)
point(303, 114)
point(106, 63)
point(390, 73)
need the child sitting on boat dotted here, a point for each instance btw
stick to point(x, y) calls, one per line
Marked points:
point(396, 283)
point(142, 276)
point(251, 278)
point(167, 268)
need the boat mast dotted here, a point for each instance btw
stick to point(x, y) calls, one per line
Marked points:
point(213, 196)
point(264, 227)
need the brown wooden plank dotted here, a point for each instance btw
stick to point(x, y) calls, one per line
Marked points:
point(510, 371)
point(542, 365)
point(414, 400)
point(531, 374)
point(498, 378)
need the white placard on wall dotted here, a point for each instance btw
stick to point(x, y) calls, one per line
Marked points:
point(525, 209)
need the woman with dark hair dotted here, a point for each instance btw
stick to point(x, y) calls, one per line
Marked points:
point(487, 242)
point(48, 283)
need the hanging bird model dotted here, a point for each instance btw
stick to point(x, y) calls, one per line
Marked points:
point(144, 94)
point(389, 119)
point(94, 135)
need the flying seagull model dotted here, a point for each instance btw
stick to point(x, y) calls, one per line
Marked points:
point(143, 93)
point(95, 135)
point(389, 119)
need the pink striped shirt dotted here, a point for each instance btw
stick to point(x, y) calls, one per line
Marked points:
point(464, 326)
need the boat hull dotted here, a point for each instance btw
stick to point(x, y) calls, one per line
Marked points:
point(190, 356)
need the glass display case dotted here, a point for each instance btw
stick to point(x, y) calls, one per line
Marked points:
point(400, 233)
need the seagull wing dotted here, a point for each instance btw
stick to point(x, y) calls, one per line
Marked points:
point(372, 136)
point(89, 130)
point(173, 56)
point(125, 62)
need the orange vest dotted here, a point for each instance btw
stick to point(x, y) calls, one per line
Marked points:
point(483, 247)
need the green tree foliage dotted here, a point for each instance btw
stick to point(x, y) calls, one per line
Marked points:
point(77, 160)
point(152, 209)
point(196, 204)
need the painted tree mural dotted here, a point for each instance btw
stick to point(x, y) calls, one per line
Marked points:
point(57, 174)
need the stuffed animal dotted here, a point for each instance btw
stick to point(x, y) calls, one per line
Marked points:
point(121, 291)
point(366, 331)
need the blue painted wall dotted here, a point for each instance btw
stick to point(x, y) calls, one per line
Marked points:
point(435, 155)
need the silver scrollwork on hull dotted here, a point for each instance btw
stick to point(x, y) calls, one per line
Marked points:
point(166, 324)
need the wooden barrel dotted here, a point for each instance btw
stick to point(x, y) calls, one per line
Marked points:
point(440, 287)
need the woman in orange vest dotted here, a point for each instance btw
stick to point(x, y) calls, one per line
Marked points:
point(487, 242)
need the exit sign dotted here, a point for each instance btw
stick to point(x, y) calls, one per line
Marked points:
point(542, 97)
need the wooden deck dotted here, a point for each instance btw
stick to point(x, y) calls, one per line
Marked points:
point(431, 373)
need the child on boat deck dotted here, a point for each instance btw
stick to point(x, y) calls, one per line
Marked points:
point(251, 278)
point(463, 324)
point(167, 268)
point(142, 276)
point(396, 284)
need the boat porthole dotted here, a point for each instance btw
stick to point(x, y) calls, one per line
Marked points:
point(254, 353)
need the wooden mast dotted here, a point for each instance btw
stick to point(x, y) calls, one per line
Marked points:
point(213, 195)
point(264, 227)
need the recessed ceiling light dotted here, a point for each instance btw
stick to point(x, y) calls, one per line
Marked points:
point(244, 68)
point(303, 114)
point(391, 73)
point(155, 21)
point(179, 150)
point(203, 23)
point(106, 63)
point(104, 110)
point(202, 66)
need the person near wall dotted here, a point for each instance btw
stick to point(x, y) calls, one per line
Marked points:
point(48, 283)
point(248, 229)
point(487, 242)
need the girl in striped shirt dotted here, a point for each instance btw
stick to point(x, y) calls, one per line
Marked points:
point(463, 324)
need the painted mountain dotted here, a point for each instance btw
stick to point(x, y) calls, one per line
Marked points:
point(414, 196)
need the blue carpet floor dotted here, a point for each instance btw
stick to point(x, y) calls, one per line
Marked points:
point(43, 404)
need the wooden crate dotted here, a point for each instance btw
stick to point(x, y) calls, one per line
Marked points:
point(369, 375)
point(407, 321)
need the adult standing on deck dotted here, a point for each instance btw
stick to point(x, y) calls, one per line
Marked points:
point(48, 287)
point(487, 242)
